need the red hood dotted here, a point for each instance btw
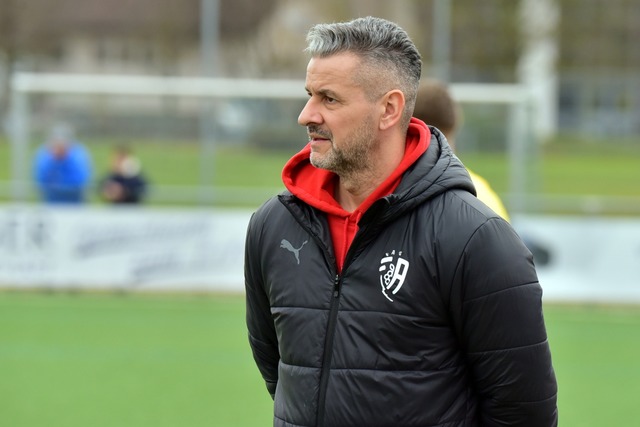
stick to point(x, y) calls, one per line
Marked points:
point(316, 186)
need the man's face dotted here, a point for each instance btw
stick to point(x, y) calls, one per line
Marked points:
point(59, 149)
point(342, 123)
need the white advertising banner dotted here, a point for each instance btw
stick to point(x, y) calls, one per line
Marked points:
point(585, 258)
point(140, 248)
point(122, 247)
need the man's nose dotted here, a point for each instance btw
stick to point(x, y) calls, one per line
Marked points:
point(309, 114)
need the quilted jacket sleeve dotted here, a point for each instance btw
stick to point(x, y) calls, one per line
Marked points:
point(502, 330)
point(262, 334)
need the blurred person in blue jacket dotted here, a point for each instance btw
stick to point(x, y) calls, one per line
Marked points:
point(62, 168)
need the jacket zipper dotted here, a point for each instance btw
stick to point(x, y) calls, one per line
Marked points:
point(331, 331)
point(328, 349)
point(333, 315)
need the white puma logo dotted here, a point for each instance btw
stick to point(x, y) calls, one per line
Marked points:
point(288, 246)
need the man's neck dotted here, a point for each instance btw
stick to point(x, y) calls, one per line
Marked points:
point(354, 188)
point(350, 192)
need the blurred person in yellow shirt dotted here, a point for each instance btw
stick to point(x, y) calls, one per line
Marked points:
point(436, 107)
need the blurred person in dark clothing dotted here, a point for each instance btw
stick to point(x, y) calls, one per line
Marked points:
point(125, 183)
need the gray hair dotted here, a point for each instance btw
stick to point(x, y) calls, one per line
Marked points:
point(61, 134)
point(390, 58)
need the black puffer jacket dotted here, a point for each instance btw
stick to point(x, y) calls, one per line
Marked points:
point(436, 319)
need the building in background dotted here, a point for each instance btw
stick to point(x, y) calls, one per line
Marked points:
point(598, 87)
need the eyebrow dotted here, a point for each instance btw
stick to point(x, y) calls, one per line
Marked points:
point(324, 92)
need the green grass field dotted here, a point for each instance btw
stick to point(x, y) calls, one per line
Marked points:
point(178, 360)
point(571, 165)
point(120, 360)
point(137, 360)
point(565, 166)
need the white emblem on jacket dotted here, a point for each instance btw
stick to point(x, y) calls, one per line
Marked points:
point(393, 271)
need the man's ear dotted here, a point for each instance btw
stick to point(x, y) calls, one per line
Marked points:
point(392, 104)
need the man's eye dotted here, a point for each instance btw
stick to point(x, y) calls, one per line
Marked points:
point(329, 100)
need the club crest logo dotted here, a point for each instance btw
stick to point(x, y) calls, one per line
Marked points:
point(393, 270)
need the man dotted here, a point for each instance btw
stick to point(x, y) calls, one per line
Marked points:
point(436, 107)
point(380, 291)
point(62, 168)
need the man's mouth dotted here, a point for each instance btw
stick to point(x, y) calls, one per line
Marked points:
point(317, 135)
point(317, 138)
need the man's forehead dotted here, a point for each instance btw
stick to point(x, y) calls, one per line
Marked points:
point(332, 70)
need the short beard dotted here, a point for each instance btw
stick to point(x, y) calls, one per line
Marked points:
point(353, 157)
